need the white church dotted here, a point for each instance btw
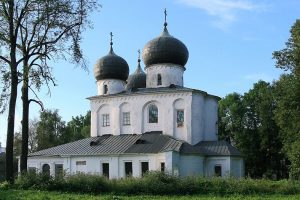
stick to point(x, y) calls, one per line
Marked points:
point(147, 121)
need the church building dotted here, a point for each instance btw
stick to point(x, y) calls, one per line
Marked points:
point(146, 121)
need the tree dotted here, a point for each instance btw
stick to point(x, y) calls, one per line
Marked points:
point(231, 112)
point(248, 123)
point(32, 136)
point(50, 129)
point(9, 29)
point(287, 113)
point(2, 166)
point(38, 30)
point(288, 58)
point(262, 131)
point(17, 143)
point(78, 128)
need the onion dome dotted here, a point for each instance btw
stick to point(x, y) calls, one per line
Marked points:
point(165, 49)
point(138, 78)
point(111, 66)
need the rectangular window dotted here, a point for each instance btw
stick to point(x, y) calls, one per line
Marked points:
point(158, 79)
point(31, 170)
point(105, 120)
point(80, 162)
point(105, 169)
point(80, 166)
point(180, 118)
point(218, 170)
point(105, 89)
point(59, 170)
point(145, 167)
point(162, 167)
point(126, 118)
point(153, 114)
point(128, 168)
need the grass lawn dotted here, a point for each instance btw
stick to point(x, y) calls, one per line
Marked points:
point(45, 195)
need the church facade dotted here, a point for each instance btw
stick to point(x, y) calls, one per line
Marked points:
point(146, 121)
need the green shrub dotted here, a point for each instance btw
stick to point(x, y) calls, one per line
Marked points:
point(4, 185)
point(86, 183)
point(157, 183)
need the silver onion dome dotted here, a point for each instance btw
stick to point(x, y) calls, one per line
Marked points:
point(165, 49)
point(137, 79)
point(111, 66)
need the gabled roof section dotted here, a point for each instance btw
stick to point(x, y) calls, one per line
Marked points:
point(111, 144)
point(214, 148)
point(147, 143)
point(154, 143)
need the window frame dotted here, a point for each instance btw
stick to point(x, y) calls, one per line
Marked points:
point(32, 170)
point(105, 89)
point(126, 118)
point(159, 79)
point(130, 170)
point(144, 164)
point(162, 166)
point(218, 173)
point(104, 172)
point(105, 120)
point(153, 114)
point(180, 121)
point(59, 170)
point(46, 169)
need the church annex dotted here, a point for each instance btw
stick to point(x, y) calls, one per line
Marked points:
point(147, 121)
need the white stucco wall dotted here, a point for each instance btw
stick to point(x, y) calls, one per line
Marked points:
point(204, 117)
point(231, 166)
point(211, 162)
point(38, 163)
point(175, 163)
point(94, 163)
point(114, 86)
point(200, 115)
point(138, 106)
point(210, 119)
point(170, 74)
point(237, 167)
point(197, 119)
point(191, 165)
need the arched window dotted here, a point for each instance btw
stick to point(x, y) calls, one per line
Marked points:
point(158, 79)
point(153, 114)
point(46, 169)
point(105, 89)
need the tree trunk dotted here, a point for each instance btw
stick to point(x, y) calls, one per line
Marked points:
point(9, 157)
point(25, 119)
point(10, 127)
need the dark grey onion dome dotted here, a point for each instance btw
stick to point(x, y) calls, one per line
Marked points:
point(111, 66)
point(137, 79)
point(165, 49)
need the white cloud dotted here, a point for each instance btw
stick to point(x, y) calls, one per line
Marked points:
point(224, 11)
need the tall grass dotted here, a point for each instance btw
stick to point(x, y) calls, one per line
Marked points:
point(156, 183)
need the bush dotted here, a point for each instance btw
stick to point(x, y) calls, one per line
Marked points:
point(157, 183)
point(4, 185)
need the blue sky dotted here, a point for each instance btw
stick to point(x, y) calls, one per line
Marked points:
point(230, 44)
